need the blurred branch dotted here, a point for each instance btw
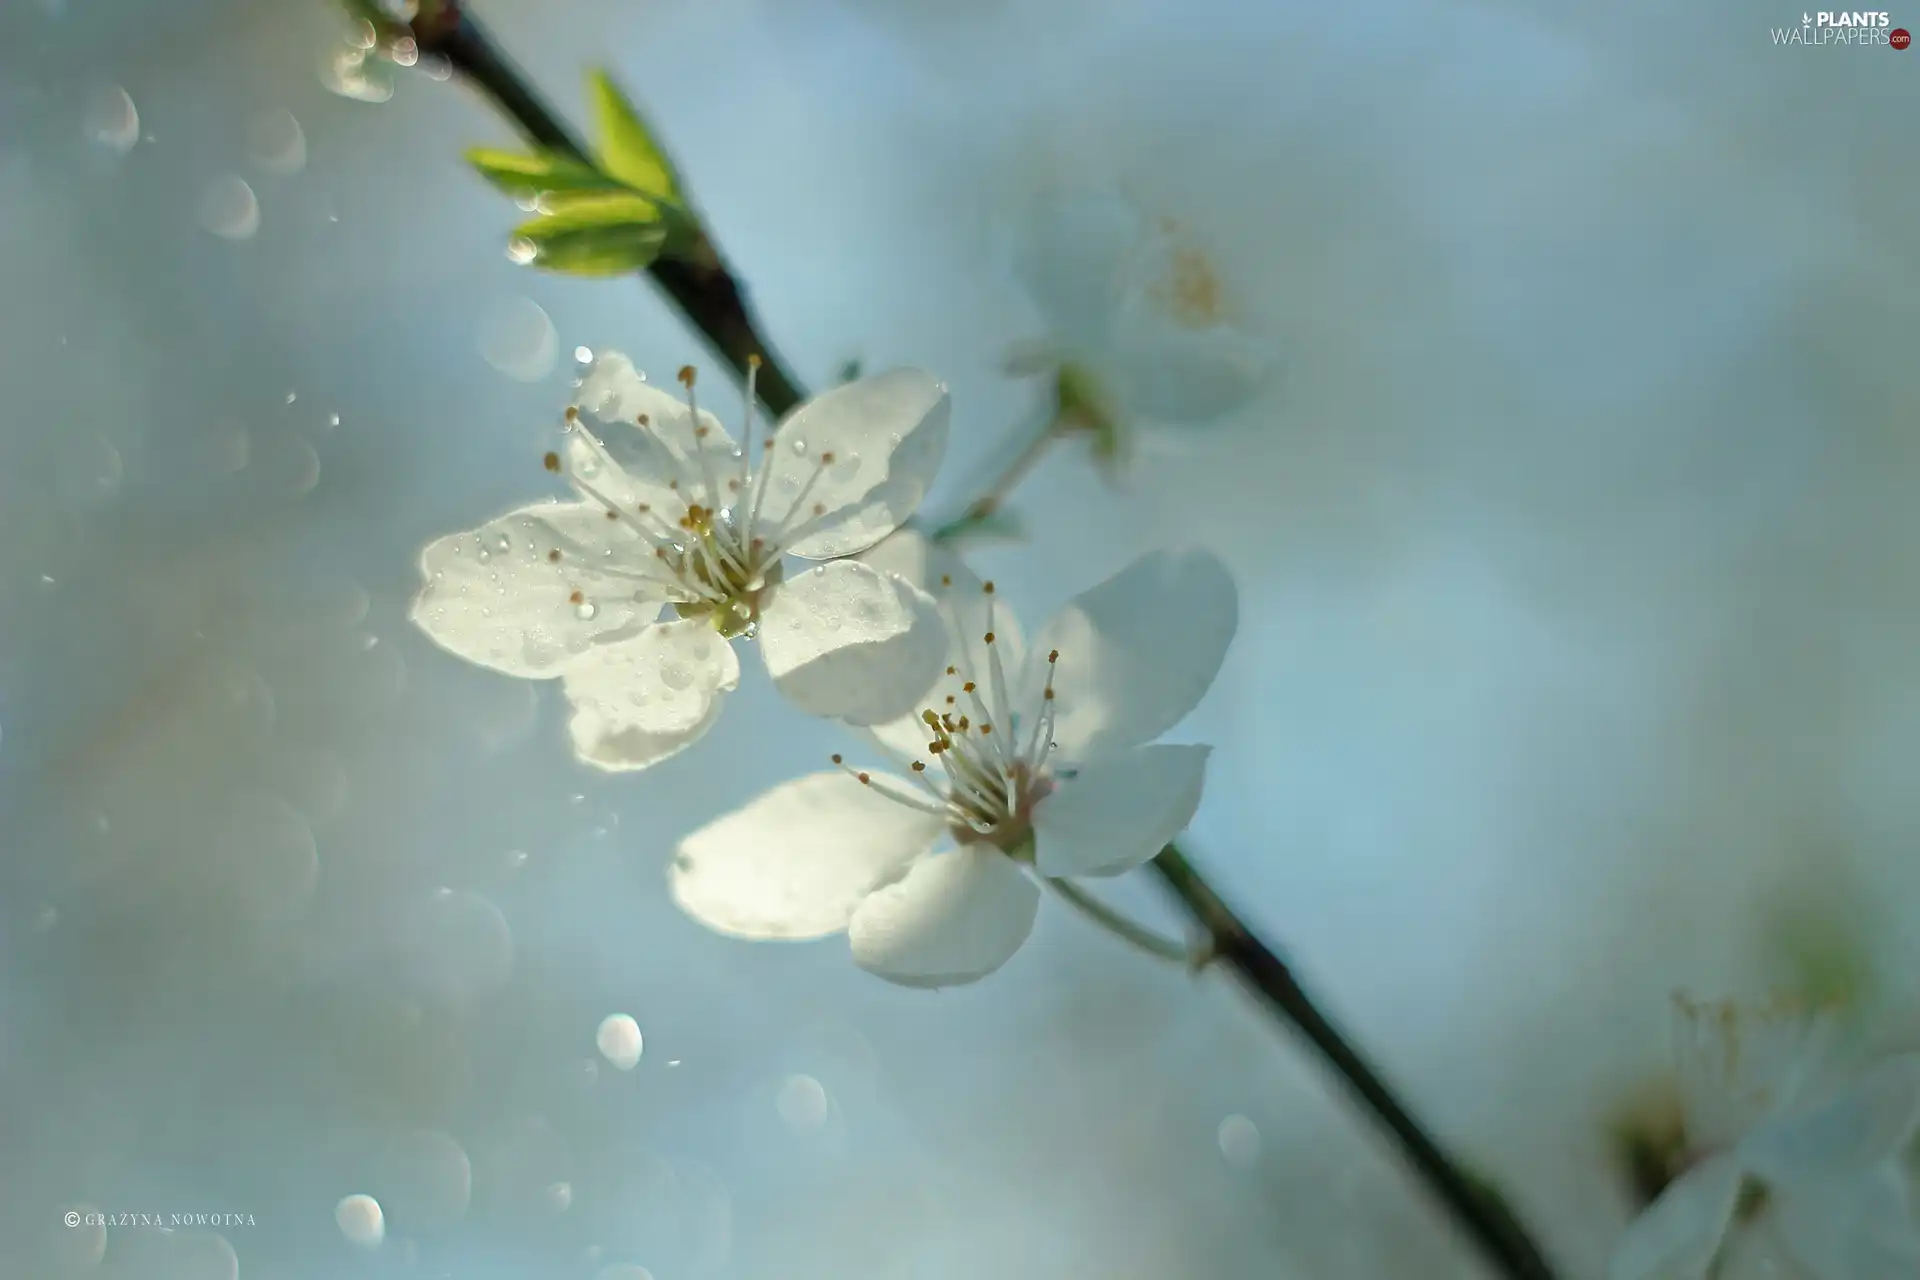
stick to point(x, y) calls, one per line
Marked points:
point(703, 290)
point(983, 508)
point(1474, 1205)
point(1121, 927)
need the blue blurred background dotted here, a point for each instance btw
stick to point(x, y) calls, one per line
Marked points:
point(1578, 658)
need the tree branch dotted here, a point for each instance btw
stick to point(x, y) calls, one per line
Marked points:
point(1475, 1206)
point(704, 291)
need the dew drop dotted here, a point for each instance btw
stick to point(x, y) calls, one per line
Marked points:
point(819, 571)
point(799, 448)
point(583, 355)
point(676, 676)
point(352, 73)
point(277, 144)
point(502, 543)
point(1239, 1141)
point(228, 209)
point(619, 1041)
point(802, 1104)
point(333, 420)
point(586, 611)
point(360, 1220)
point(111, 119)
point(426, 1179)
point(461, 948)
point(521, 251)
point(404, 52)
point(517, 337)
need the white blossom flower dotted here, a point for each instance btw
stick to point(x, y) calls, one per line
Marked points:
point(1779, 1167)
point(1140, 327)
point(674, 514)
point(1046, 767)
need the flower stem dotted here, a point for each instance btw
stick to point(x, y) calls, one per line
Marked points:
point(704, 291)
point(1120, 926)
point(1474, 1205)
point(996, 490)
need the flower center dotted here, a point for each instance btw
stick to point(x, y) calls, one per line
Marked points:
point(1190, 291)
point(713, 550)
point(987, 776)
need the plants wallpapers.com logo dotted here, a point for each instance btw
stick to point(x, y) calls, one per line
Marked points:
point(1848, 29)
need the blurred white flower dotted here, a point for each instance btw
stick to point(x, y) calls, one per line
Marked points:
point(676, 513)
point(1039, 767)
point(1140, 326)
point(1806, 1180)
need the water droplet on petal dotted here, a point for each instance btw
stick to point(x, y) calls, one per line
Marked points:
point(228, 209)
point(502, 543)
point(676, 676)
point(586, 610)
point(583, 355)
point(404, 52)
point(799, 447)
point(521, 251)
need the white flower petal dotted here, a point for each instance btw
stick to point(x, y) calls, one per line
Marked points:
point(1865, 1125)
point(1137, 652)
point(496, 596)
point(1119, 811)
point(886, 436)
point(1073, 261)
point(642, 700)
point(673, 460)
point(1677, 1236)
point(968, 614)
point(797, 861)
point(1848, 1228)
point(953, 918)
point(844, 640)
point(1740, 1064)
point(1188, 377)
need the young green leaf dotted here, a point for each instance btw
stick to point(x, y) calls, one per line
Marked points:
point(626, 148)
point(596, 235)
point(543, 171)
